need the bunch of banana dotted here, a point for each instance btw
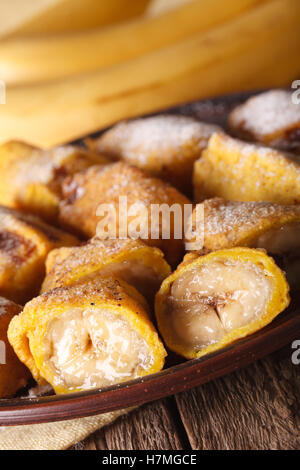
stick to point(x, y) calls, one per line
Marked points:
point(19, 17)
point(257, 47)
point(48, 57)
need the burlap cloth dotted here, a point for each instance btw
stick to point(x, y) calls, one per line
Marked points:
point(54, 436)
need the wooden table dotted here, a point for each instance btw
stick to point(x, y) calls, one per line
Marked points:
point(254, 408)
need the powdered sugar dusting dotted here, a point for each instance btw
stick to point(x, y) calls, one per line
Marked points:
point(158, 133)
point(257, 153)
point(267, 114)
point(43, 164)
point(94, 254)
point(226, 216)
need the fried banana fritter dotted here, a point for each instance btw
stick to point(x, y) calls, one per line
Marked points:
point(132, 195)
point(165, 146)
point(25, 242)
point(239, 171)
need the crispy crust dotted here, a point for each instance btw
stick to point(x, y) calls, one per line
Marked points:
point(239, 171)
point(31, 178)
point(230, 223)
point(66, 266)
point(26, 331)
point(165, 146)
point(25, 242)
point(13, 374)
point(84, 193)
point(279, 301)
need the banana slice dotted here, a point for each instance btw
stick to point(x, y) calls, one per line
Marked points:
point(240, 171)
point(121, 200)
point(141, 266)
point(25, 242)
point(165, 146)
point(213, 300)
point(284, 244)
point(273, 227)
point(31, 178)
point(88, 335)
point(270, 118)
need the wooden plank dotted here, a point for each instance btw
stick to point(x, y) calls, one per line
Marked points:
point(255, 408)
point(155, 426)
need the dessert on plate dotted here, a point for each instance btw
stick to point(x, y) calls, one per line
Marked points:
point(31, 178)
point(25, 242)
point(88, 335)
point(140, 265)
point(89, 196)
point(88, 320)
point(239, 171)
point(165, 146)
point(273, 227)
point(214, 300)
point(271, 118)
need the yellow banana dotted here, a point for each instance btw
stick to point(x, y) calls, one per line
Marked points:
point(18, 17)
point(32, 60)
point(253, 50)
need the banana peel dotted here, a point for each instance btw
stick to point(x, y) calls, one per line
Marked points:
point(51, 57)
point(21, 17)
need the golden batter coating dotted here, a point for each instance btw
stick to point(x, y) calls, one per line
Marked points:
point(165, 146)
point(13, 374)
point(271, 118)
point(104, 186)
point(139, 265)
point(25, 242)
point(31, 178)
point(214, 300)
point(239, 171)
point(273, 227)
point(88, 335)
point(232, 223)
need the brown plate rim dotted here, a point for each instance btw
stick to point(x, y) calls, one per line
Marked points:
point(284, 330)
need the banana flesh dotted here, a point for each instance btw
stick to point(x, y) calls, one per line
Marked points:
point(214, 300)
